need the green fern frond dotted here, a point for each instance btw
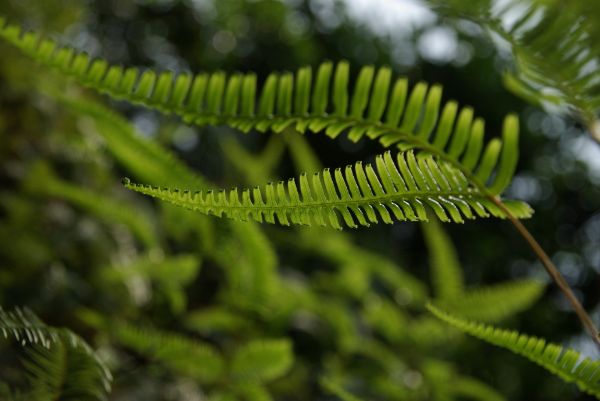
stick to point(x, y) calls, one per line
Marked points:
point(60, 363)
point(568, 364)
point(337, 390)
point(399, 189)
point(467, 387)
point(179, 353)
point(216, 319)
point(252, 279)
point(64, 372)
point(25, 327)
point(43, 182)
point(378, 108)
point(144, 159)
point(253, 392)
point(262, 360)
point(554, 46)
point(446, 272)
point(494, 303)
point(147, 161)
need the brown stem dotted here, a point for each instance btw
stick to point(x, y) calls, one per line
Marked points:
point(558, 278)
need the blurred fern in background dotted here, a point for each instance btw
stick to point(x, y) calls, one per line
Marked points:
point(170, 304)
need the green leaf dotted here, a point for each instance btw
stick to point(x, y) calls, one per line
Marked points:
point(262, 360)
point(446, 271)
point(337, 390)
point(473, 389)
point(42, 182)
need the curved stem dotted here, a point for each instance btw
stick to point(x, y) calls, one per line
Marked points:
point(552, 270)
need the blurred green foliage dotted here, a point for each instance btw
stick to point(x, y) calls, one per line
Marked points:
point(182, 306)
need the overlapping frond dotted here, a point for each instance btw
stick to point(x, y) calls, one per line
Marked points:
point(555, 49)
point(565, 363)
point(378, 106)
point(61, 365)
point(358, 195)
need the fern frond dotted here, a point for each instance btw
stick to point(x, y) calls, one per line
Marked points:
point(399, 189)
point(467, 387)
point(568, 364)
point(494, 303)
point(144, 159)
point(178, 353)
point(253, 392)
point(554, 46)
point(262, 360)
point(149, 162)
point(378, 108)
point(446, 272)
point(64, 372)
point(216, 319)
point(25, 327)
point(252, 278)
point(337, 390)
point(42, 182)
point(60, 362)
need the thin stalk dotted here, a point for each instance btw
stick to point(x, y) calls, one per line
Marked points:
point(552, 270)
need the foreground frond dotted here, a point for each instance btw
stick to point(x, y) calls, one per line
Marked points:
point(61, 365)
point(568, 364)
point(359, 195)
point(378, 107)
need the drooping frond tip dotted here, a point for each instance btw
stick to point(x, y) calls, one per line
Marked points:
point(375, 105)
point(401, 189)
point(568, 364)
